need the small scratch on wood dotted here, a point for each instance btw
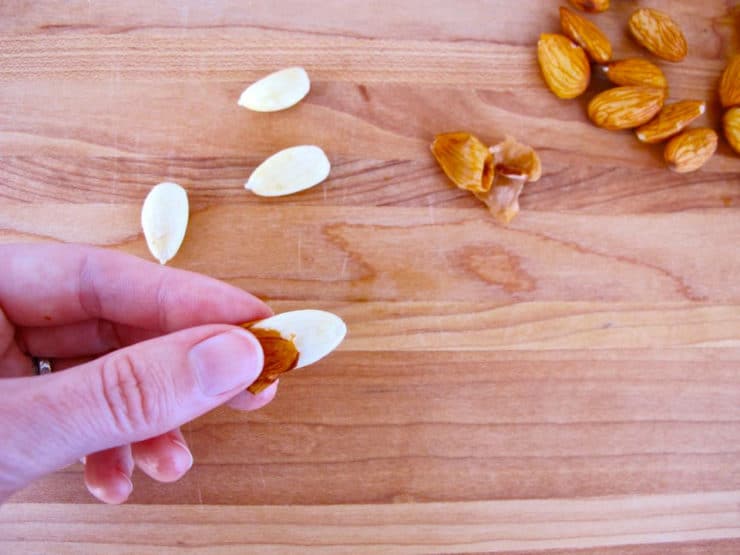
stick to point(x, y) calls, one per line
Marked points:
point(300, 255)
point(344, 266)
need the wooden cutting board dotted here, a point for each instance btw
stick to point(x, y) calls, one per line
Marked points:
point(570, 383)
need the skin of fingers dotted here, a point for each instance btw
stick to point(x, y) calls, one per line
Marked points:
point(49, 285)
point(87, 338)
point(249, 401)
point(108, 474)
point(165, 458)
point(13, 363)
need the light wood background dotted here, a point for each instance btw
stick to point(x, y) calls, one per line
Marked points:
point(570, 384)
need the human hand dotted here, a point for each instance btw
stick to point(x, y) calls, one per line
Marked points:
point(143, 349)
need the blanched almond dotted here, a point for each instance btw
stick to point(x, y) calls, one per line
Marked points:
point(289, 171)
point(164, 219)
point(277, 91)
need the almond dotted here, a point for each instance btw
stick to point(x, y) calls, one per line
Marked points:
point(671, 120)
point(586, 34)
point(635, 71)
point(289, 171)
point(591, 5)
point(277, 91)
point(164, 219)
point(465, 160)
point(690, 150)
point(293, 340)
point(564, 65)
point(657, 32)
point(729, 84)
point(625, 107)
point(731, 125)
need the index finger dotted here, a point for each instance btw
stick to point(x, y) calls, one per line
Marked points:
point(51, 284)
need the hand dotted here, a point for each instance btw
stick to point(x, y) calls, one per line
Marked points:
point(143, 349)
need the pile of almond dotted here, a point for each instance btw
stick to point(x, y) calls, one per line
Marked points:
point(638, 101)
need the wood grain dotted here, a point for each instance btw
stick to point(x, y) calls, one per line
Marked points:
point(568, 384)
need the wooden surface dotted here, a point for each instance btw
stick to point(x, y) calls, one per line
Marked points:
point(570, 384)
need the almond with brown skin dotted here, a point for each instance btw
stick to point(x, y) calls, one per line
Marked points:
point(625, 107)
point(671, 120)
point(635, 71)
point(729, 84)
point(586, 34)
point(731, 125)
point(564, 65)
point(591, 5)
point(690, 150)
point(657, 32)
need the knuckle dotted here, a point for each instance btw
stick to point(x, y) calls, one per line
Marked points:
point(133, 402)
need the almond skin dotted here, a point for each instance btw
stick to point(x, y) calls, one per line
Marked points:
point(731, 125)
point(635, 71)
point(625, 107)
point(729, 84)
point(671, 120)
point(690, 150)
point(564, 65)
point(657, 32)
point(466, 161)
point(593, 6)
point(586, 34)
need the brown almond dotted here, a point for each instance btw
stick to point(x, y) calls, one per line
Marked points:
point(660, 34)
point(586, 34)
point(625, 107)
point(731, 125)
point(564, 65)
point(465, 160)
point(593, 6)
point(690, 150)
point(671, 120)
point(635, 71)
point(729, 84)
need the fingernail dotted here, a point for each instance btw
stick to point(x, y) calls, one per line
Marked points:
point(184, 457)
point(128, 485)
point(227, 361)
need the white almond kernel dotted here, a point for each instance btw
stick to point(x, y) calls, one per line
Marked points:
point(289, 171)
point(315, 333)
point(277, 91)
point(164, 219)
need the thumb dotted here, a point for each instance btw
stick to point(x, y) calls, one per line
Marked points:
point(129, 395)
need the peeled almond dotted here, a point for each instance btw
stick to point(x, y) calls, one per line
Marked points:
point(293, 340)
point(277, 91)
point(164, 219)
point(289, 171)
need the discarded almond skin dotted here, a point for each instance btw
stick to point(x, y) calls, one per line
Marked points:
point(293, 340)
point(465, 160)
point(731, 126)
point(289, 171)
point(671, 120)
point(690, 150)
point(593, 6)
point(657, 32)
point(635, 72)
point(625, 107)
point(564, 65)
point(586, 34)
point(277, 91)
point(729, 84)
point(164, 219)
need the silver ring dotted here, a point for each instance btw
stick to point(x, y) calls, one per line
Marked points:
point(41, 366)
